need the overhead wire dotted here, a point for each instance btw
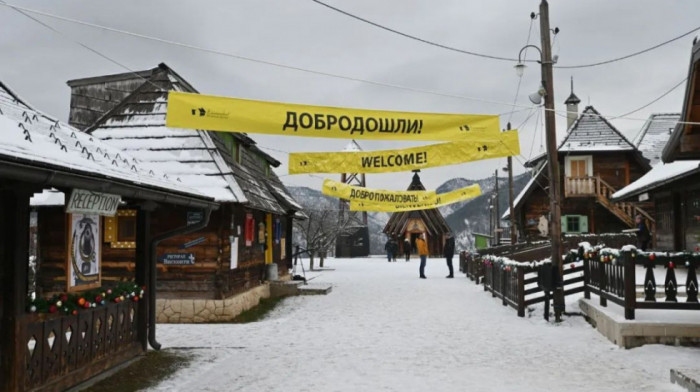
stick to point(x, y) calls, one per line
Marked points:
point(493, 57)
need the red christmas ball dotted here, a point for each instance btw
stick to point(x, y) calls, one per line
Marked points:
point(98, 298)
point(573, 265)
point(64, 297)
point(116, 300)
point(652, 256)
point(671, 265)
point(53, 309)
point(86, 305)
point(75, 312)
point(136, 298)
point(697, 249)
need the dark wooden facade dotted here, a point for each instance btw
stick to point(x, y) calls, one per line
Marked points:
point(595, 161)
point(685, 140)
point(56, 350)
point(412, 224)
point(253, 187)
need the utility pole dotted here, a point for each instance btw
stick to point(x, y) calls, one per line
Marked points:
point(552, 157)
point(497, 217)
point(513, 232)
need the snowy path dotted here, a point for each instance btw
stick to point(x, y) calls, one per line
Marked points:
point(383, 329)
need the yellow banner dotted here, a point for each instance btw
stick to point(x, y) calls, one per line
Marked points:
point(375, 196)
point(475, 147)
point(442, 199)
point(197, 111)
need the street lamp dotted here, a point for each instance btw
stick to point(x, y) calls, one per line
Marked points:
point(546, 62)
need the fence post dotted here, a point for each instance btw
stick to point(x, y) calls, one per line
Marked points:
point(505, 286)
point(521, 292)
point(493, 280)
point(486, 271)
point(586, 277)
point(630, 284)
point(602, 283)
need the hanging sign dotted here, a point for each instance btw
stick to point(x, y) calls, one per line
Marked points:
point(197, 111)
point(442, 199)
point(473, 147)
point(234, 252)
point(192, 243)
point(88, 202)
point(194, 217)
point(375, 196)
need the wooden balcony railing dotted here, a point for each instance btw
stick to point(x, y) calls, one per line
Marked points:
point(581, 186)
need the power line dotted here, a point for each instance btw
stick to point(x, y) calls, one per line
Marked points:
point(432, 43)
point(222, 53)
point(655, 100)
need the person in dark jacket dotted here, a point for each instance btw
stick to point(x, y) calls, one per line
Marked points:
point(449, 252)
point(407, 249)
point(643, 235)
point(394, 249)
point(387, 248)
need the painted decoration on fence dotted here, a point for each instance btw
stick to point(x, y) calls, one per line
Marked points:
point(375, 196)
point(84, 252)
point(472, 147)
point(234, 252)
point(249, 229)
point(197, 111)
point(442, 199)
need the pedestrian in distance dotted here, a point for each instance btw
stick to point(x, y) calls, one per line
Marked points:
point(387, 249)
point(407, 248)
point(643, 235)
point(422, 248)
point(449, 252)
point(394, 249)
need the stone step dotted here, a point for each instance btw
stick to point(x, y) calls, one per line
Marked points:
point(315, 289)
point(686, 378)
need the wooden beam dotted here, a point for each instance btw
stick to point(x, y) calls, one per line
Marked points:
point(142, 261)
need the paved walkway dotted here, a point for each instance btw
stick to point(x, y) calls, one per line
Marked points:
point(383, 329)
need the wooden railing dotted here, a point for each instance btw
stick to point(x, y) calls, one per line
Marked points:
point(602, 191)
point(76, 347)
point(517, 286)
point(612, 277)
point(580, 186)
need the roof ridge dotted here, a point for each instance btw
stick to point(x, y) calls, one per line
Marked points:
point(575, 126)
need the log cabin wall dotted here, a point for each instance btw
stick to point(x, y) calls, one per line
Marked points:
point(617, 169)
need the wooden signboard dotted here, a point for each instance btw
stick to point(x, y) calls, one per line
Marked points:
point(83, 262)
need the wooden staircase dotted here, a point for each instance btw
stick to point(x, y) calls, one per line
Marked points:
point(602, 191)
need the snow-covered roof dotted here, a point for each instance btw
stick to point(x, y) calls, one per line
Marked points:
point(31, 136)
point(592, 132)
point(529, 187)
point(137, 125)
point(655, 134)
point(660, 174)
point(48, 197)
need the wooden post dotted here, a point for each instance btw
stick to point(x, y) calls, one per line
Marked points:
point(630, 284)
point(504, 287)
point(142, 262)
point(497, 218)
point(586, 278)
point(521, 292)
point(601, 283)
point(14, 256)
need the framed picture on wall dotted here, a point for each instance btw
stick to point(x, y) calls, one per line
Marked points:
point(84, 258)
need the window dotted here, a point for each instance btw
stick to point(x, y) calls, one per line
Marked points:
point(574, 224)
point(578, 166)
point(120, 230)
point(231, 145)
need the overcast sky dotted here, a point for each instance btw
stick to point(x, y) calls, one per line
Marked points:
point(36, 62)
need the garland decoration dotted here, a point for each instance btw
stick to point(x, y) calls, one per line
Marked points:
point(72, 303)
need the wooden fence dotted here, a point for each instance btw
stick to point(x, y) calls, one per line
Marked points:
point(611, 274)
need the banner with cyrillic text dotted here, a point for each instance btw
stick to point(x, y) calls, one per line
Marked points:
point(442, 199)
point(475, 147)
point(197, 111)
point(379, 196)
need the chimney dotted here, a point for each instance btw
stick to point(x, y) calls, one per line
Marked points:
point(571, 106)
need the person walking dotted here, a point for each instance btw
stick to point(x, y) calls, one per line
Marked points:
point(449, 252)
point(407, 248)
point(387, 249)
point(643, 235)
point(394, 249)
point(422, 248)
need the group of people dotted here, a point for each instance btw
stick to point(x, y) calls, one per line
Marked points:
point(392, 248)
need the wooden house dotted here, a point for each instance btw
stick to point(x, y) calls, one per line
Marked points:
point(412, 224)
point(596, 160)
point(95, 318)
point(674, 185)
point(214, 275)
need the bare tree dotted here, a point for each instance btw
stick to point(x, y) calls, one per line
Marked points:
point(319, 232)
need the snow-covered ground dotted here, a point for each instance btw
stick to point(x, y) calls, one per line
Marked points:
point(383, 329)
